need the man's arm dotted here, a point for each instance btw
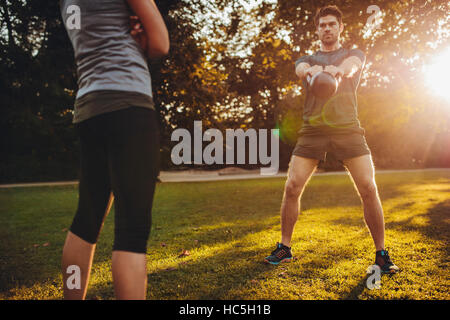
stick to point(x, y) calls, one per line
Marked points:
point(154, 26)
point(347, 68)
point(300, 69)
point(303, 69)
point(350, 66)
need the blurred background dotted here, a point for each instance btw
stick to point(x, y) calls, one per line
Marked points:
point(231, 65)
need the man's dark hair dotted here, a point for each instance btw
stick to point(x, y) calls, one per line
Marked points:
point(328, 10)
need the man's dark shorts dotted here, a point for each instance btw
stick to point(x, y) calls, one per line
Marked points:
point(342, 145)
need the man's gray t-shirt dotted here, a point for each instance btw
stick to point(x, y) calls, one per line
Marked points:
point(107, 57)
point(340, 112)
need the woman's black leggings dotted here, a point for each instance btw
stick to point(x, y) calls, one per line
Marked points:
point(119, 154)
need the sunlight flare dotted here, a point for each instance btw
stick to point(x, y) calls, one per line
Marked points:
point(436, 75)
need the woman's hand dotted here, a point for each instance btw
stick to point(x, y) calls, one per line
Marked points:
point(138, 32)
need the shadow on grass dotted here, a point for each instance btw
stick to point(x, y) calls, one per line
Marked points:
point(357, 290)
point(342, 193)
point(222, 268)
point(362, 285)
point(438, 228)
point(224, 274)
point(224, 202)
point(26, 268)
point(228, 270)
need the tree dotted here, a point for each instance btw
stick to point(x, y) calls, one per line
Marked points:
point(231, 65)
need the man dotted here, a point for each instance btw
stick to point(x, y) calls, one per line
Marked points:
point(331, 125)
point(117, 124)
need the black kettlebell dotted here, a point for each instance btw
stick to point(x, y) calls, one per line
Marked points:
point(323, 85)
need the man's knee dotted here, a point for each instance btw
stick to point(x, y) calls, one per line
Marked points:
point(368, 189)
point(293, 187)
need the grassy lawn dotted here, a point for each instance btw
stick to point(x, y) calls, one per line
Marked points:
point(228, 227)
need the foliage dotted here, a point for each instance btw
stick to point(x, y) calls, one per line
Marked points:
point(231, 66)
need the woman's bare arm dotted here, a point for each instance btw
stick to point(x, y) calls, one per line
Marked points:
point(155, 29)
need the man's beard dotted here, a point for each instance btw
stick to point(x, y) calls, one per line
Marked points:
point(329, 41)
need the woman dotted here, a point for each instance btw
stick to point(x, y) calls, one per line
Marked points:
point(115, 118)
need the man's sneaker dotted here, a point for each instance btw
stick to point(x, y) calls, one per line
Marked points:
point(279, 255)
point(383, 260)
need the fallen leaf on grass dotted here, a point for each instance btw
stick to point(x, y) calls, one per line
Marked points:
point(35, 245)
point(184, 253)
point(46, 244)
point(170, 269)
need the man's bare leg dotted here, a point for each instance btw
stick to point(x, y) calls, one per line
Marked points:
point(300, 171)
point(363, 173)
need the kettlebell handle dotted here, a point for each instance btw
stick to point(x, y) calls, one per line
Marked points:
point(338, 77)
point(309, 77)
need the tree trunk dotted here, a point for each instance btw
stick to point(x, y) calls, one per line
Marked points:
point(11, 41)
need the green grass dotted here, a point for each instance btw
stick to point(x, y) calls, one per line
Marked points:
point(229, 227)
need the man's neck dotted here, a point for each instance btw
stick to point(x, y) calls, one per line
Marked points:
point(335, 46)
